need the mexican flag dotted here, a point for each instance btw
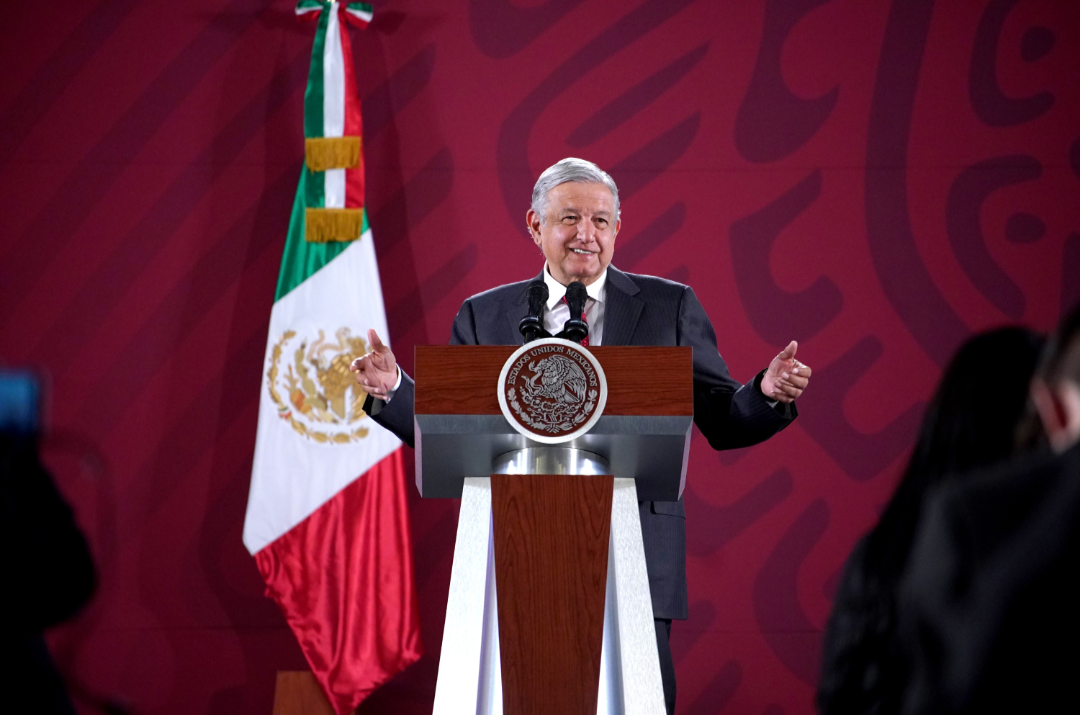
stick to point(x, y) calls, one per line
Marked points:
point(327, 518)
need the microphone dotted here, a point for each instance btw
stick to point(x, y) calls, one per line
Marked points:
point(532, 326)
point(576, 329)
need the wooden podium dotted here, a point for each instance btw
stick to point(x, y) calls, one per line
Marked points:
point(549, 608)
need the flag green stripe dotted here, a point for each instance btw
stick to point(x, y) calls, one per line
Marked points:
point(301, 259)
point(313, 95)
point(313, 185)
point(313, 190)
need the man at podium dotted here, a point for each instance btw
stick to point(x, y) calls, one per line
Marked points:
point(574, 220)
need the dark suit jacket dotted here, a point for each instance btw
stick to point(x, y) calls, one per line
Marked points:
point(638, 310)
point(988, 605)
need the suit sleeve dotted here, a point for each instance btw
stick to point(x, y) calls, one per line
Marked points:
point(728, 413)
point(463, 331)
point(397, 415)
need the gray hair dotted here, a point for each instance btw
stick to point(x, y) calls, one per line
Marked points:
point(578, 171)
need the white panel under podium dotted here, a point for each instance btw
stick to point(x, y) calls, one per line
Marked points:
point(470, 676)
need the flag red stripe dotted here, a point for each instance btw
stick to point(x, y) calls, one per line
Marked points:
point(344, 579)
point(354, 178)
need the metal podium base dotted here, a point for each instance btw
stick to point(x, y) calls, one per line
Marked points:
point(470, 676)
point(550, 460)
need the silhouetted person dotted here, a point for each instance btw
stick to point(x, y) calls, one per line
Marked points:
point(969, 423)
point(990, 606)
point(48, 576)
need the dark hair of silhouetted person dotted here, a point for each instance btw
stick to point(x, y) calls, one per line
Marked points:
point(969, 423)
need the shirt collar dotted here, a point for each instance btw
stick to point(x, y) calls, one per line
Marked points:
point(557, 290)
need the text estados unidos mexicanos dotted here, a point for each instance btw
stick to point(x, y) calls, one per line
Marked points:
point(578, 357)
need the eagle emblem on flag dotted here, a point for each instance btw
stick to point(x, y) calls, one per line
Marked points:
point(321, 399)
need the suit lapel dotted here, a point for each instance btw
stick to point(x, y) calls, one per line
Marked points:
point(623, 308)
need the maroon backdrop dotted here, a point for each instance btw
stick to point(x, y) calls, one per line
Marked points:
point(877, 180)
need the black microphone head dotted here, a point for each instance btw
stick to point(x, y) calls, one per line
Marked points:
point(537, 296)
point(532, 326)
point(575, 328)
point(576, 295)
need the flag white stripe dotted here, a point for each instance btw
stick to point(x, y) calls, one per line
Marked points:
point(293, 475)
point(334, 104)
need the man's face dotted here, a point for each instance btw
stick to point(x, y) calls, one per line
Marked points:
point(578, 235)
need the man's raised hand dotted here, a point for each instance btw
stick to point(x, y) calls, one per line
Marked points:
point(786, 377)
point(377, 371)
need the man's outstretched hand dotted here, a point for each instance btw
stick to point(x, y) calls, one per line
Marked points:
point(377, 371)
point(786, 377)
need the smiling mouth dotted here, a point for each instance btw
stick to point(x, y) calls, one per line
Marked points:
point(581, 252)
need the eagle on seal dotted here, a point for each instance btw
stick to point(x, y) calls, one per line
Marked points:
point(561, 379)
